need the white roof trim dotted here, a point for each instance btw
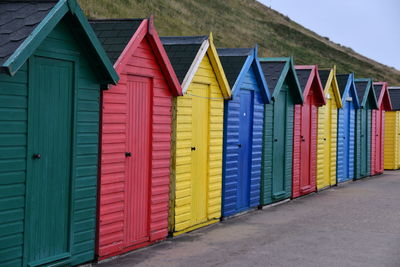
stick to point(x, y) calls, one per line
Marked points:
point(195, 65)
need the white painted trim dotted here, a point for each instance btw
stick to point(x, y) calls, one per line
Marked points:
point(195, 65)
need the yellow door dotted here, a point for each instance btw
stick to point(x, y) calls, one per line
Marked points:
point(397, 138)
point(199, 152)
point(327, 143)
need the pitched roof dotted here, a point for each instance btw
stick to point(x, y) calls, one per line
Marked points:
point(232, 60)
point(115, 34)
point(361, 88)
point(382, 94)
point(121, 38)
point(324, 75)
point(365, 92)
point(18, 19)
point(272, 71)
point(342, 80)
point(309, 80)
point(303, 75)
point(182, 51)
point(237, 62)
point(276, 71)
point(26, 23)
point(395, 98)
point(186, 54)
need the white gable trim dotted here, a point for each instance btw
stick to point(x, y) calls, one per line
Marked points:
point(195, 65)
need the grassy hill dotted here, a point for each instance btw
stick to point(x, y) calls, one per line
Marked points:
point(242, 23)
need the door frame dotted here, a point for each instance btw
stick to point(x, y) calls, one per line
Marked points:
point(250, 143)
point(72, 57)
point(150, 159)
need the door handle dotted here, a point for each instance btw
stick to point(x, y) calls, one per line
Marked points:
point(36, 156)
point(239, 145)
point(193, 148)
point(128, 154)
point(275, 140)
point(324, 139)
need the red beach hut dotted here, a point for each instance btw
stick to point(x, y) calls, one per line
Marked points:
point(135, 137)
point(305, 131)
point(378, 123)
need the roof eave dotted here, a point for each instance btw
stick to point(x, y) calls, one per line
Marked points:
point(30, 44)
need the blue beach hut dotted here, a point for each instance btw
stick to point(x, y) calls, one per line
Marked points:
point(243, 129)
point(346, 127)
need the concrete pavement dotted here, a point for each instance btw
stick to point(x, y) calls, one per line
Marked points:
point(355, 224)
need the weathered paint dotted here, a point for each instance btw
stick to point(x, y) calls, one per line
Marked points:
point(363, 128)
point(243, 132)
point(327, 131)
point(50, 107)
point(384, 105)
point(346, 128)
point(277, 163)
point(305, 131)
point(196, 178)
point(135, 144)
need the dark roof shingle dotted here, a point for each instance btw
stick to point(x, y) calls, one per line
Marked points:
point(18, 19)
point(232, 60)
point(361, 88)
point(342, 82)
point(272, 72)
point(303, 76)
point(394, 98)
point(324, 75)
point(182, 51)
point(378, 89)
point(115, 34)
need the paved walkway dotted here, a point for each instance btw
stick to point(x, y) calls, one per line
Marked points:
point(355, 224)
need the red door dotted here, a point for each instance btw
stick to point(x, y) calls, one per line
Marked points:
point(305, 145)
point(139, 94)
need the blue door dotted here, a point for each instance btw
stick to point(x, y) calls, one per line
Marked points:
point(245, 144)
point(346, 158)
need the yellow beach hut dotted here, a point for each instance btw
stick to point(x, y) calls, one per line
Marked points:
point(197, 133)
point(391, 149)
point(327, 129)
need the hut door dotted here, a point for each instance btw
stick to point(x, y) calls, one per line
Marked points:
point(199, 151)
point(245, 137)
point(279, 136)
point(346, 137)
point(49, 176)
point(328, 142)
point(364, 140)
point(306, 122)
point(138, 157)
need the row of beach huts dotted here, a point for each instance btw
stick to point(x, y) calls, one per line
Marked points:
point(112, 138)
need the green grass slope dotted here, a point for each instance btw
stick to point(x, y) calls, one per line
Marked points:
point(242, 23)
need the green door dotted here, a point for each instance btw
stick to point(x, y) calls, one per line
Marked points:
point(48, 217)
point(364, 142)
point(279, 140)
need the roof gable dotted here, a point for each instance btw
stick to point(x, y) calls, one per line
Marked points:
point(115, 34)
point(276, 71)
point(309, 79)
point(121, 37)
point(187, 52)
point(237, 62)
point(365, 92)
point(346, 86)
point(328, 80)
point(395, 98)
point(382, 95)
point(32, 30)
